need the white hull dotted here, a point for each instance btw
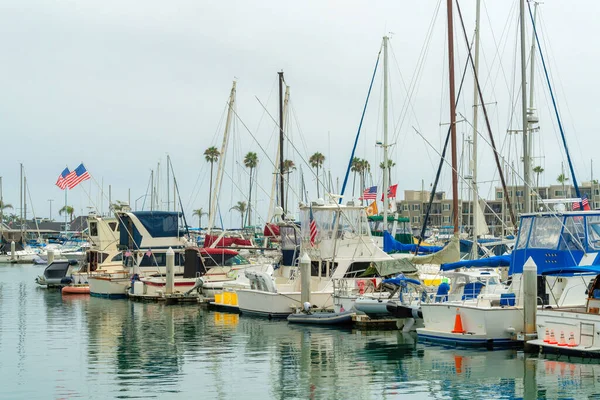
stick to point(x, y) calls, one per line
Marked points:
point(153, 288)
point(584, 328)
point(278, 305)
point(483, 326)
point(109, 286)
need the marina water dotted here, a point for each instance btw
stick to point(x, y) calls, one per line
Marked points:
point(80, 347)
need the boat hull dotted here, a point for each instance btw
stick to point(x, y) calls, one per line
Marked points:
point(483, 326)
point(108, 287)
point(278, 305)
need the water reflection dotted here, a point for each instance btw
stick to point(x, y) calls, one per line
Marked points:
point(76, 346)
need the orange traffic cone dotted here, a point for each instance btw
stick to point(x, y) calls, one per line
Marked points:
point(562, 339)
point(552, 338)
point(458, 327)
point(547, 336)
point(572, 340)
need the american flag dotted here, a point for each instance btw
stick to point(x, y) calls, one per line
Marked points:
point(77, 176)
point(370, 193)
point(61, 182)
point(584, 201)
point(312, 226)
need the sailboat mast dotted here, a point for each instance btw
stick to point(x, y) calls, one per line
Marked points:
point(526, 158)
point(277, 162)
point(452, 117)
point(281, 179)
point(2, 212)
point(385, 133)
point(21, 197)
point(531, 118)
point(475, 196)
point(215, 194)
point(168, 191)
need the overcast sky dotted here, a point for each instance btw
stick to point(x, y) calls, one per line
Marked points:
point(118, 85)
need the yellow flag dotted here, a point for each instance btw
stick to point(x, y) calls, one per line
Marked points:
point(372, 209)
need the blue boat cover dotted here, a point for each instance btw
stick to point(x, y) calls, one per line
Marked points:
point(390, 244)
point(401, 280)
point(495, 261)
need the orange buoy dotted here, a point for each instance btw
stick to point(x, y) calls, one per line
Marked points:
point(79, 289)
point(458, 326)
point(572, 340)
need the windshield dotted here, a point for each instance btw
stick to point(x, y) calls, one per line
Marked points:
point(545, 232)
point(235, 260)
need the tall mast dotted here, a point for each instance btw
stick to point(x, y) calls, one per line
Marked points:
point(452, 117)
point(531, 117)
point(21, 197)
point(526, 158)
point(217, 188)
point(168, 192)
point(2, 212)
point(385, 133)
point(277, 160)
point(281, 179)
point(151, 190)
point(475, 195)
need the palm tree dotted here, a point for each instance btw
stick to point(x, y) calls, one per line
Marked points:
point(67, 210)
point(4, 206)
point(250, 161)
point(390, 164)
point(241, 208)
point(364, 168)
point(316, 161)
point(288, 168)
point(537, 171)
point(211, 155)
point(199, 213)
point(355, 167)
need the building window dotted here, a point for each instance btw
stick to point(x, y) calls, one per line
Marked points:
point(446, 207)
point(416, 207)
point(405, 207)
point(416, 220)
point(446, 220)
point(596, 205)
point(499, 195)
point(558, 193)
point(519, 193)
point(518, 206)
point(596, 192)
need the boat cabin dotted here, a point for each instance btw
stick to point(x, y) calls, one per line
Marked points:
point(198, 261)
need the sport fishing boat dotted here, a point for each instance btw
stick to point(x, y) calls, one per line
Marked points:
point(552, 241)
point(144, 237)
point(340, 248)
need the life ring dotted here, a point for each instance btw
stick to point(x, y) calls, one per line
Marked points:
point(361, 286)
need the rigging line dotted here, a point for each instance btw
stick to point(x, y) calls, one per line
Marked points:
point(441, 163)
point(562, 134)
point(359, 128)
point(487, 121)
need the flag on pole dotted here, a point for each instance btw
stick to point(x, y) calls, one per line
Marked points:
point(586, 204)
point(391, 192)
point(77, 176)
point(312, 226)
point(370, 193)
point(61, 182)
point(372, 209)
point(149, 253)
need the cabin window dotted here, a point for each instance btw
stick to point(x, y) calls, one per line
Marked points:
point(112, 226)
point(593, 223)
point(573, 235)
point(524, 232)
point(356, 269)
point(118, 257)
point(545, 233)
point(93, 229)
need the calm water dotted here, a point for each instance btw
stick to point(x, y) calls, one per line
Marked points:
point(81, 347)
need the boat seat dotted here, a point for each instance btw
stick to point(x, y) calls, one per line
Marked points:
point(472, 290)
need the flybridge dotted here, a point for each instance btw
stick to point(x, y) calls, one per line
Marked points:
point(150, 229)
point(557, 240)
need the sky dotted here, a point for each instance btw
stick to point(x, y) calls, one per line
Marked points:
point(119, 85)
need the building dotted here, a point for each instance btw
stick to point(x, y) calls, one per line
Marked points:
point(414, 205)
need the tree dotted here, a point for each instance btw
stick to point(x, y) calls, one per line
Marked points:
point(537, 171)
point(251, 162)
point(241, 208)
point(211, 155)
point(390, 164)
point(4, 206)
point(288, 168)
point(199, 213)
point(316, 161)
point(562, 179)
point(355, 167)
point(67, 210)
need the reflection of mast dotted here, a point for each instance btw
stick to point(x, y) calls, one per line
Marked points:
point(217, 189)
